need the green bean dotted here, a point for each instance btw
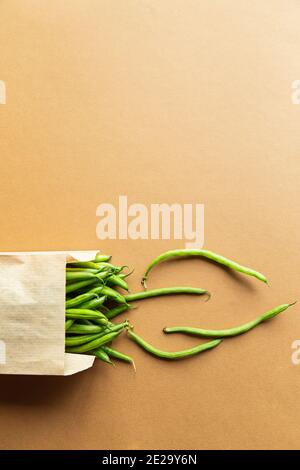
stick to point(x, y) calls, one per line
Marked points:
point(78, 340)
point(83, 321)
point(79, 285)
point(87, 315)
point(110, 293)
point(95, 344)
point(101, 354)
point(80, 299)
point(82, 275)
point(101, 258)
point(115, 280)
point(116, 311)
point(107, 265)
point(118, 355)
point(183, 253)
point(176, 354)
point(83, 264)
point(124, 275)
point(87, 270)
point(229, 331)
point(94, 303)
point(165, 291)
point(68, 324)
point(85, 329)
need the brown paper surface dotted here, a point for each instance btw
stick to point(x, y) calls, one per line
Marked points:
point(32, 312)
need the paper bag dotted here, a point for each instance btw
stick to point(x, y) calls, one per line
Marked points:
point(32, 314)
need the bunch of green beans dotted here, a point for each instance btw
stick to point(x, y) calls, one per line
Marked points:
point(91, 302)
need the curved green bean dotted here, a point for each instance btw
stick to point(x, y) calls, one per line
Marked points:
point(118, 355)
point(165, 291)
point(95, 344)
point(185, 253)
point(176, 354)
point(78, 340)
point(238, 330)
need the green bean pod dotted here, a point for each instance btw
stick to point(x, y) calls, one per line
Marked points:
point(78, 270)
point(85, 329)
point(116, 280)
point(101, 354)
point(86, 314)
point(101, 258)
point(79, 276)
point(165, 291)
point(84, 321)
point(113, 327)
point(228, 332)
point(172, 355)
point(118, 355)
point(95, 344)
point(112, 313)
point(80, 299)
point(79, 285)
point(69, 323)
point(94, 303)
point(185, 253)
point(110, 293)
point(82, 264)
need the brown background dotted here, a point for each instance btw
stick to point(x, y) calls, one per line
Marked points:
point(174, 101)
